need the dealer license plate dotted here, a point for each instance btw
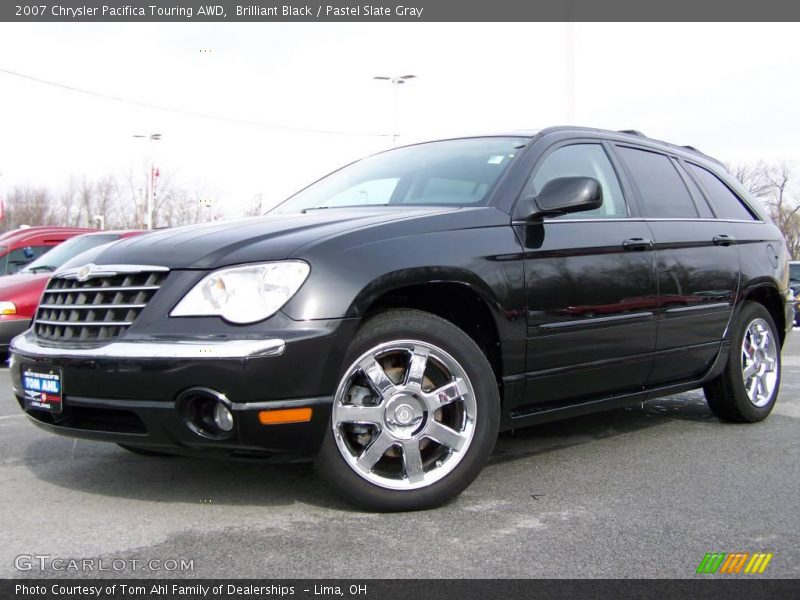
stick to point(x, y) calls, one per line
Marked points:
point(43, 389)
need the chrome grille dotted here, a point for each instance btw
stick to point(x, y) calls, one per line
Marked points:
point(99, 309)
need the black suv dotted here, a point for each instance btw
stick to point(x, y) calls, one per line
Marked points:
point(395, 315)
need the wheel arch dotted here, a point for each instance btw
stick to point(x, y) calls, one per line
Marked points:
point(457, 296)
point(767, 294)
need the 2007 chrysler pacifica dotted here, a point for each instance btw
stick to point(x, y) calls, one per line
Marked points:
point(392, 317)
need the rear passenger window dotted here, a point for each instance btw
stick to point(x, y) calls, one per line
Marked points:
point(663, 192)
point(725, 201)
point(700, 201)
point(584, 160)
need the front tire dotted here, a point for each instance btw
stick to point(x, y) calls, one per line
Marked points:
point(415, 415)
point(746, 390)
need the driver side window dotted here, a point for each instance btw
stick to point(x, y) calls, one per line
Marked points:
point(583, 160)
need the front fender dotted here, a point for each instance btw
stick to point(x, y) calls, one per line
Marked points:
point(345, 280)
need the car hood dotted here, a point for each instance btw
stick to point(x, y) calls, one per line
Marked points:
point(11, 285)
point(218, 244)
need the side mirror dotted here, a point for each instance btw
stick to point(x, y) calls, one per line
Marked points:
point(567, 195)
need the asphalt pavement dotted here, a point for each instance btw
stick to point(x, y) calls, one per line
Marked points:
point(639, 492)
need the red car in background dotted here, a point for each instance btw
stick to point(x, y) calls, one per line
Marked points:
point(20, 293)
point(21, 246)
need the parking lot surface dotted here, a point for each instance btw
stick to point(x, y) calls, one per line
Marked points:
point(639, 492)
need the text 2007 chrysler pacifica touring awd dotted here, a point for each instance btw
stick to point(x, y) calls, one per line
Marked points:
point(392, 317)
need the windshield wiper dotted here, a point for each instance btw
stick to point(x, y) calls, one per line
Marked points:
point(45, 268)
point(305, 210)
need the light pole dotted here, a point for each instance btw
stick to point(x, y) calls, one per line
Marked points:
point(148, 215)
point(569, 40)
point(396, 81)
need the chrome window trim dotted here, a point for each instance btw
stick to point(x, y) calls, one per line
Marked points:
point(642, 219)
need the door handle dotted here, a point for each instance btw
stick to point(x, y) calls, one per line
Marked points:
point(722, 240)
point(637, 244)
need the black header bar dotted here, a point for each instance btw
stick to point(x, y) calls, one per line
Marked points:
point(386, 589)
point(399, 10)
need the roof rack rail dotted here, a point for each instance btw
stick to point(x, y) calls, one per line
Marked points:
point(692, 148)
point(632, 132)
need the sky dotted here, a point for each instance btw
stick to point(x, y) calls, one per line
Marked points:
point(729, 89)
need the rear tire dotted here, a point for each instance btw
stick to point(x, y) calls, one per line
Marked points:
point(746, 390)
point(415, 415)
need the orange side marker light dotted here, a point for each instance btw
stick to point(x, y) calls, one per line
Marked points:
point(284, 415)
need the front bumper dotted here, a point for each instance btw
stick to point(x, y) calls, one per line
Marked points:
point(126, 391)
point(9, 329)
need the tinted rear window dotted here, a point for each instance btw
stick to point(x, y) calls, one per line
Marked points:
point(663, 192)
point(725, 201)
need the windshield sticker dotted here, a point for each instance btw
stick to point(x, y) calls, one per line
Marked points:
point(496, 160)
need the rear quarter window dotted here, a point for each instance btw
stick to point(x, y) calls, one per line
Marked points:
point(728, 204)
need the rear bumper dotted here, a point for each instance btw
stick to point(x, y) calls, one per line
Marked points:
point(126, 392)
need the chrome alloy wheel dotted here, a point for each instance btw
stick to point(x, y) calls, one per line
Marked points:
point(759, 362)
point(404, 415)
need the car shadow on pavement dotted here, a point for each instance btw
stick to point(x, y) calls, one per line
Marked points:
point(558, 435)
point(107, 470)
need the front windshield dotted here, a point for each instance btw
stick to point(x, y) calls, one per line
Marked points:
point(60, 254)
point(448, 173)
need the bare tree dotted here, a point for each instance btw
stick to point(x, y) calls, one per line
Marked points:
point(256, 207)
point(752, 177)
point(775, 184)
point(791, 232)
point(106, 195)
point(127, 211)
point(86, 198)
point(120, 202)
point(66, 202)
point(784, 206)
point(29, 206)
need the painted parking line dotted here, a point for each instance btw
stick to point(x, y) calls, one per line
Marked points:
point(11, 417)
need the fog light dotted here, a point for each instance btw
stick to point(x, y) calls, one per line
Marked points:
point(206, 412)
point(223, 417)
